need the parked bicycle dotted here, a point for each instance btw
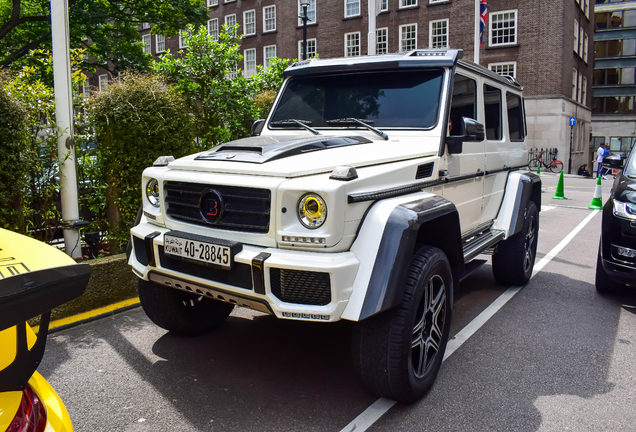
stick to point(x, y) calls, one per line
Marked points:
point(555, 165)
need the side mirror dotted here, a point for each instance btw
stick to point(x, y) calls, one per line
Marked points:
point(471, 130)
point(614, 161)
point(257, 127)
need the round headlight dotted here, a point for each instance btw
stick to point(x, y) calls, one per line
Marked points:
point(152, 192)
point(312, 211)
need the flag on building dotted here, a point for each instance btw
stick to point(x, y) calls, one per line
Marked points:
point(483, 13)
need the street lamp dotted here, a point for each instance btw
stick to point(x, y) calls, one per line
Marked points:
point(304, 4)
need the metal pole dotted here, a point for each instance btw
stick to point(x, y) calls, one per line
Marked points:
point(371, 34)
point(64, 120)
point(477, 24)
point(305, 19)
point(570, 161)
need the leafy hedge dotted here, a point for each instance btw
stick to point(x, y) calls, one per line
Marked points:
point(136, 119)
point(13, 167)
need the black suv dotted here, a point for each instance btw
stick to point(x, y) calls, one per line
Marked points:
point(616, 263)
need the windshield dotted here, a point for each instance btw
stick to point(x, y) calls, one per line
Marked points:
point(404, 99)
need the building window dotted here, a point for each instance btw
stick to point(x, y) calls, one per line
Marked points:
point(585, 44)
point(229, 1)
point(587, 9)
point(408, 37)
point(311, 48)
point(230, 21)
point(578, 93)
point(213, 3)
point(233, 70)
point(384, 5)
point(213, 28)
point(352, 8)
point(146, 41)
point(269, 18)
point(183, 34)
point(576, 36)
point(613, 105)
point(492, 111)
point(160, 42)
point(382, 41)
point(269, 53)
point(145, 26)
point(103, 82)
point(249, 56)
point(438, 1)
point(509, 69)
point(86, 89)
point(581, 32)
point(584, 91)
point(438, 34)
point(503, 28)
point(249, 22)
point(407, 3)
point(311, 12)
point(352, 44)
point(615, 19)
point(615, 48)
point(574, 75)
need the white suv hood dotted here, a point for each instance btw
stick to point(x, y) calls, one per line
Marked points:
point(300, 155)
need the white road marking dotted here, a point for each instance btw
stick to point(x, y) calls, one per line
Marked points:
point(382, 405)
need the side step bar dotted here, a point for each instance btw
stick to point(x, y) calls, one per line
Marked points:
point(478, 244)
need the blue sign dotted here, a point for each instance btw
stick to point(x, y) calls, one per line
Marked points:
point(572, 121)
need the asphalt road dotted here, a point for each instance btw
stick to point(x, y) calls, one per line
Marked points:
point(557, 356)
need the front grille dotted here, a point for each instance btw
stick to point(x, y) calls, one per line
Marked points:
point(140, 250)
point(240, 276)
point(301, 287)
point(245, 209)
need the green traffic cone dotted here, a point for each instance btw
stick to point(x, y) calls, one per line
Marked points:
point(597, 201)
point(539, 173)
point(559, 189)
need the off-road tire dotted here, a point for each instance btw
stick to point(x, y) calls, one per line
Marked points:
point(179, 311)
point(387, 346)
point(602, 281)
point(514, 259)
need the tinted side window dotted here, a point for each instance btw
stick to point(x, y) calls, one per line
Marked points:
point(515, 117)
point(463, 103)
point(492, 108)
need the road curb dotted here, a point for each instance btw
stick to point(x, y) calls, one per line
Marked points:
point(86, 317)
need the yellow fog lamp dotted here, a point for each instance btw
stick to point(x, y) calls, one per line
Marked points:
point(312, 210)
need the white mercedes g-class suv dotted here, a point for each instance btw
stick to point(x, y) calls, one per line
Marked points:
point(366, 195)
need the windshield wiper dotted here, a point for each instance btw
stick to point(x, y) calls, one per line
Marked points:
point(298, 122)
point(350, 120)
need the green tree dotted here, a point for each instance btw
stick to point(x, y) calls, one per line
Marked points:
point(206, 75)
point(40, 184)
point(108, 29)
point(136, 119)
point(13, 166)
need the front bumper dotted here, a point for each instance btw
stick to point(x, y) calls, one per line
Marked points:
point(271, 280)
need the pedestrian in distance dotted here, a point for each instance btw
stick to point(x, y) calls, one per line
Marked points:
point(583, 171)
point(602, 153)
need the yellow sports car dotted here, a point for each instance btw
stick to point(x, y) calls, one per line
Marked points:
point(34, 278)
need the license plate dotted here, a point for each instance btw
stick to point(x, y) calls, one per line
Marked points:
point(203, 251)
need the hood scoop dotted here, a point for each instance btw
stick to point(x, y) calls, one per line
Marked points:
point(263, 149)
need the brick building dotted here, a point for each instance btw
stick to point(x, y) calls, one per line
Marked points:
point(545, 44)
point(613, 85)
